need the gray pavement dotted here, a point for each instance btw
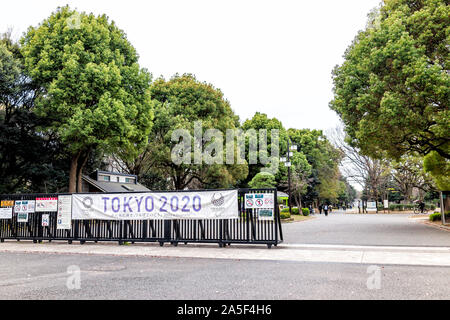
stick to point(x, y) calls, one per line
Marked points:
point(365, 229)
point(44, 276)
point(324, 258)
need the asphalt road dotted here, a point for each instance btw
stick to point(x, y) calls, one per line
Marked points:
point(109, 276)
point(367, 229)
point(38, 276)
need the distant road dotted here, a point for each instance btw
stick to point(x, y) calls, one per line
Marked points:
point(365, 229)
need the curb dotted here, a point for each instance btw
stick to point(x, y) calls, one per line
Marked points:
point(436, 226)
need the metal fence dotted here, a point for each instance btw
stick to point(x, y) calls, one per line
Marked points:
point(248, 229)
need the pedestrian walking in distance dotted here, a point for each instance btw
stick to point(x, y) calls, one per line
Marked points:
point(320, 208)
point(325, 209)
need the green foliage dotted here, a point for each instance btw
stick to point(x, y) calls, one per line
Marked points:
point(324, 160)
point(439, 168)
point(260, 121)
point(284, 214)
point(91, 88)
point(30, 161)
point(392, 91)
point(305, 211)
point(263, 180)
point(180, 102)
point(437, 216)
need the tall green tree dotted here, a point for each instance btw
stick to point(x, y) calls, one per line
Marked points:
point(392, 91)
point(260, 121)
point(91, 87)
point(30, 161)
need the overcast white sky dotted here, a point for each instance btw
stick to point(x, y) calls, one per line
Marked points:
point(274, 57)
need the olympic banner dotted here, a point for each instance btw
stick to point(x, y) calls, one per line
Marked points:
point(154, 205)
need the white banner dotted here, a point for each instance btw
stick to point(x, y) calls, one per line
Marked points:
point(156, 205)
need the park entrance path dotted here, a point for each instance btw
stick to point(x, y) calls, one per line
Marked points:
point(365, 230)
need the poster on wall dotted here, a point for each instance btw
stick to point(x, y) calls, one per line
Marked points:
point(259, 201)
point(64, 215)
point(47, 204)
point(24, 206)
point(157, 205)
point(6, 213)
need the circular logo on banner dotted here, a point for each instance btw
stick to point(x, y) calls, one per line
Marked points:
point(249, 202)
point(219, 201)
point(88, 202)
point(259, 202)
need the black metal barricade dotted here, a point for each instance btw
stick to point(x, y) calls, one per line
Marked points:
point(248, 229)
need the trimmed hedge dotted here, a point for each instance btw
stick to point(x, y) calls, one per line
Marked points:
point(305, 211)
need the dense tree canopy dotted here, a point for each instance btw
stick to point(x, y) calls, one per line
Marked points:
point(260, 121)
point(29, 160)
point(263, 180)
point(180, 103)
point(392, 91)
point(90, 86)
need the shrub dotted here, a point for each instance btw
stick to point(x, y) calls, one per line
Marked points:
point(305, 211)
point(295, 211)
point(437, 216)
point(284, 214)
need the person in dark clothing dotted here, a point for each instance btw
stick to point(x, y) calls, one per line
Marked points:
point(421, 206)
point(325, 209)
point(320, 208)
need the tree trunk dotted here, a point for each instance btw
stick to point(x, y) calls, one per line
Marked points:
point(73, 173)
point(80, 171)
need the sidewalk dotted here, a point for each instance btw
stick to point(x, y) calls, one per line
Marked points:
point(382, 255)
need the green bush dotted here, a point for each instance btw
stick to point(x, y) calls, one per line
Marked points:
point(437, 216)
point(295, 211)
point(305, 211)
point(284, 214)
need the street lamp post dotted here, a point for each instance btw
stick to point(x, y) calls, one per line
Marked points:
point(287, 163)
